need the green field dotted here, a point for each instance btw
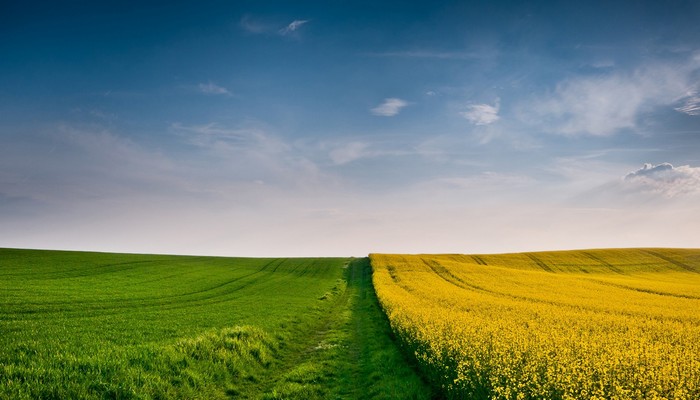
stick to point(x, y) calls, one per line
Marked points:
point(96, 325)
point(617, 324)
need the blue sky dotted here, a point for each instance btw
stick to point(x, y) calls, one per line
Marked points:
point(341, 128)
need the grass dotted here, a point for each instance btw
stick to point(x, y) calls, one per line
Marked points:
point(577, 324)
point(351, 354)
point(98, 326)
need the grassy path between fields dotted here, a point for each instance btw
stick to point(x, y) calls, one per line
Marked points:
point(346, 353)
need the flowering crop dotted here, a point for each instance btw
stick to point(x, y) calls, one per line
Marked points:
point(596, 324)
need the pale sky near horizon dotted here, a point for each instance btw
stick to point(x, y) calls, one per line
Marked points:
point(274, 128)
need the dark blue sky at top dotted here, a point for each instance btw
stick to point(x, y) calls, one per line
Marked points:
point(64, 55)
point(371, 96)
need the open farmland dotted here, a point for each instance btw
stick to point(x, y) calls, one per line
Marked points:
point(94, 325)
point(613, 324)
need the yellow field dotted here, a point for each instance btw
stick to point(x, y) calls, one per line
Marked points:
point(596, 324)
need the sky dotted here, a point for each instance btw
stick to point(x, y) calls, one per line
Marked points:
point(342, 128)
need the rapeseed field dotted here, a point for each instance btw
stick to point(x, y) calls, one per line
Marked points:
point(596, 324)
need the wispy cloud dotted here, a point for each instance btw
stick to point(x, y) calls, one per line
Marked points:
point(691, 105)
point(349, 152)
point(487, 180)
point(342, 151)
point(213, 136)
point(211, 88)
point(603, 105)
point(73, 164)
point(482, 114)
point(251, 153)
point(440, 55)
point(250, 25)
point(293, 26)
point(256, 26)
point(389, 108)
point(603, 64)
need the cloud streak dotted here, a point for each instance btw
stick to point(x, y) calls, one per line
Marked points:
point(213, 136)
point(293, 27)
point(250, 25)
point(211, 88)
point(251, 154)
point(429, 54)
point(389, 108)
point(691, 105)
point(482, 114)
point(255, 26)
point(605, 104)
point(349, 152)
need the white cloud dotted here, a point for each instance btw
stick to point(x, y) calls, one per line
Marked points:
point(343, 152)
point(253, 26)
point(71, 168)
point(605, 104)
point(118, 195)
point(650, 170)
point(664, 179)
point(603, 64)
point(251, 153)
point(211, 88)
point(260, 27)
point(225, 140)
point(691, 105)
point(486, 181)
point(389, 108)
point(293, 27)
point(441, 55)
point(348, 153)
point(72, 165)
point(482, 114)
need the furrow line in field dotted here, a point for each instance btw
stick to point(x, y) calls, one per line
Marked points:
point(479, 260)
point(178, 301)
point(127, 303)
point(397, 279)
point(539, 262)
point(643, 290)
point(602, 262)
point(95, 270)
point(449, 277)
point(671, 260)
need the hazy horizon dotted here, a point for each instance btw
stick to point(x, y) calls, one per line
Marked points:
point(346, 128)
